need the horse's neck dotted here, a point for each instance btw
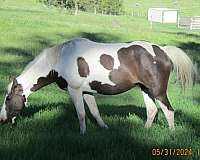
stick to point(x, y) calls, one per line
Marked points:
point(30, 77)
point(39, 67)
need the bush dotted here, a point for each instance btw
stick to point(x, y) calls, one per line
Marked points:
point(110, 6)
point(97, 6)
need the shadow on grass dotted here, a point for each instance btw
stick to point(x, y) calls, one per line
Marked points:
point(107, 110)
point(123, 111)
point(191, 35)
point(12, 69)
point(17, 51)
point(197, 99)
point(190, 121)
point(61, 135)
point(97, 37)
point(32, 109)
point(193, 46)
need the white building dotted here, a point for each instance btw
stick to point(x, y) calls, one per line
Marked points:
point(163, 15)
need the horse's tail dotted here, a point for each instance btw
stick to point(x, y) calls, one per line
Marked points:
point(185, 70)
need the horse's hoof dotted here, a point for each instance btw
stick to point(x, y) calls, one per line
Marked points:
point(172, 128)
point(82, 132)
point(105, 126)
point(147, 126)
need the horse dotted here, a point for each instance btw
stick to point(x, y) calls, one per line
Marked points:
point(84, 67)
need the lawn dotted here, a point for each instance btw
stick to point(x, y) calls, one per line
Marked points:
point(185, 7)
point(49, 128)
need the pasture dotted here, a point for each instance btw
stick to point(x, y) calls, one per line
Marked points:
point(186, 8)
point(49, 128)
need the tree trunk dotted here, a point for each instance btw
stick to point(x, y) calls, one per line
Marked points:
point(76, 7)
point(95, 10)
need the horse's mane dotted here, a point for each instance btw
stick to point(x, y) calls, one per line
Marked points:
point(50, 55)
point(35, 60)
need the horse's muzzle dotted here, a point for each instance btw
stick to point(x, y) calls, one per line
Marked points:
point(3, 120)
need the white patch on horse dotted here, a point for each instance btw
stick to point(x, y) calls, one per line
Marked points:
point(67, 66)
point(168, 114)
point(92, 105)
point(3, 113)
point(13, 120)
point(151, 109)
point(39, 67)
point(91, 52)
point(77, 98)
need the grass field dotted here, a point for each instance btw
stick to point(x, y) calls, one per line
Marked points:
point(49, 128)
point(185, 7)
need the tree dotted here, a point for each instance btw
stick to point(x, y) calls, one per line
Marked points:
point(100, 6)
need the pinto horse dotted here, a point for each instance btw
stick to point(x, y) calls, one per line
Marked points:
point(84, 67)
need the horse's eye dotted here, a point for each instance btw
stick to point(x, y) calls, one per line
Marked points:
point(8, 98)
point(24, 98)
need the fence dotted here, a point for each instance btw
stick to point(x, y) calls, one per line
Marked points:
point(189, 22)
point(195, 23)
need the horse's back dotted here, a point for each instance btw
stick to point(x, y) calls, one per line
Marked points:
point(78, 51)
point(83, 62)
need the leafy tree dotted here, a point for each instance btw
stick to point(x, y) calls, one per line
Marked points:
point(100, 6)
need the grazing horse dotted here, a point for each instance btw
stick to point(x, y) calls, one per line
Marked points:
point(84, 67)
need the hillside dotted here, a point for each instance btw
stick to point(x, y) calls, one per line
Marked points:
point(185, 7)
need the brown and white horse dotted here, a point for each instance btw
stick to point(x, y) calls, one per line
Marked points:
point(84, 67)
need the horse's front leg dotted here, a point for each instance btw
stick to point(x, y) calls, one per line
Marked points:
point(77, 98)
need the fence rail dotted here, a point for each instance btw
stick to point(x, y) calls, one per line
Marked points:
point(195, 23)
point(189, 22)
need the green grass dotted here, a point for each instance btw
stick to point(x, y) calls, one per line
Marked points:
point(185, 7)
point(49, 128)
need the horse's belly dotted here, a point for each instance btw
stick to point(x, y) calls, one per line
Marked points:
point(107, 89)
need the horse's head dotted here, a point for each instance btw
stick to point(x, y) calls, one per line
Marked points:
point(13, 104)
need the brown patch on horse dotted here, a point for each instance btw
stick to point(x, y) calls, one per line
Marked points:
point(164, 66)
point(83, 68)
point(107, 61)
point(108, 89)
point(139, 67)
point(50, 78)
point(15, 100)
point(126, 76)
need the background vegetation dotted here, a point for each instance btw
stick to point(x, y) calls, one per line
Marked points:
point(113, 7)
point(125, 7)
point(49, 128)
point(185, 7)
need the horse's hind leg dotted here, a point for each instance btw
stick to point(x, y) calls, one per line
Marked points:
point(167, 109)
point(90, 100)
point(77, 98)
point(151, 109)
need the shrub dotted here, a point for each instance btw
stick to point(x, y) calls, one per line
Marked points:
point(97, 6)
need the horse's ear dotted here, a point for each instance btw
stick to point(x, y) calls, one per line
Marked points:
point(10, 78)
point(15, 83)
